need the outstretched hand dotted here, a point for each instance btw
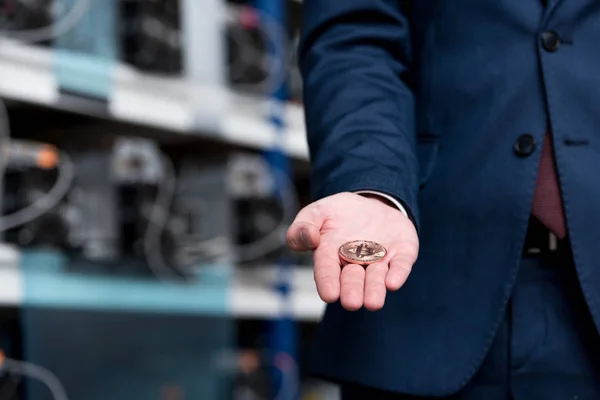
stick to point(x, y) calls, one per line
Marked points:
point(325, 225)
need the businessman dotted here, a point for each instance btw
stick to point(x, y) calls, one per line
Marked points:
point(464, 137)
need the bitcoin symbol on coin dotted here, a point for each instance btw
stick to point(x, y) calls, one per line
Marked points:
point(362, 252)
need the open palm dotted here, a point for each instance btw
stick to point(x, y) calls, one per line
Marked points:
point(325, 225)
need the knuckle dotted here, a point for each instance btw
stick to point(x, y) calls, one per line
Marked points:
point(323, 277)
point(316, 209)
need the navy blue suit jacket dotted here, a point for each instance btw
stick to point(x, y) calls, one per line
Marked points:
point(425, 100)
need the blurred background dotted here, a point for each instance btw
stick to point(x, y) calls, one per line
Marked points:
point(152, 155)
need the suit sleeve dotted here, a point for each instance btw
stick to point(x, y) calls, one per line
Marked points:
point(355, 56)
point(389, 198)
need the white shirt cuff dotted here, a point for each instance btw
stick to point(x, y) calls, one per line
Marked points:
point(388, 197)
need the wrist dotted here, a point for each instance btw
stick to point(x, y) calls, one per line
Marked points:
point(388, 199)
point(381, 199)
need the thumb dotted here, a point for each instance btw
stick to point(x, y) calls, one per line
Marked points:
point(305, 232)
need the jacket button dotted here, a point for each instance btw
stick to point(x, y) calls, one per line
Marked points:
point(550, 41)
point(525, 145)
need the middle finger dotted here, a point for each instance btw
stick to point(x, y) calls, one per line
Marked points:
point(352, 287)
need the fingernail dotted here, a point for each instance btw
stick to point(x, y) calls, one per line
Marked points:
point(304, 237)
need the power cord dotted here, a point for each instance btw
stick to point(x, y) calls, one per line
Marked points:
point(36, 372)
point(158, 220)
point(38, 154)
point(54, 30)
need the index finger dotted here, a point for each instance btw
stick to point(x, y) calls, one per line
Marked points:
point(327, 271)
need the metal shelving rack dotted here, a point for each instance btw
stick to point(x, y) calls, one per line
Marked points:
point(198, 105)
point(181, 106)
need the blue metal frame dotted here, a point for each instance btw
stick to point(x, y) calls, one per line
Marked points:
point(283, 332)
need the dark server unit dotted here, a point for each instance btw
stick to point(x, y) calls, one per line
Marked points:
point(132, 211)
point(202, 212)
point(261, 216)
point(83, 223)
point(151, 35)
point(237, 216)
point(22, 187)
point(247, 58)
point(257, 211)
point(250, 36)
point(145, 211)
point(102, 223)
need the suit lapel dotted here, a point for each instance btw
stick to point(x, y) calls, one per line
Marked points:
point(549, 7)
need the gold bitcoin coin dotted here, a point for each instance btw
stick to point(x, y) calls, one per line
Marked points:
point(362, 252)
